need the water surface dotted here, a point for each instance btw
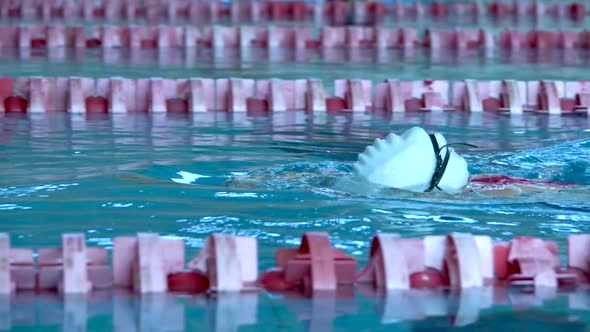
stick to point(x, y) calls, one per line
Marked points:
point(275, 177)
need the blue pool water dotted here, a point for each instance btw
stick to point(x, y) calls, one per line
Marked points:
point(252, 175)
point(275, 177)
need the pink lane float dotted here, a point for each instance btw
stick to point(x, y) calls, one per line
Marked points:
point(148, 263)
point(336, 12)
point(53, 36)
point(194, 95)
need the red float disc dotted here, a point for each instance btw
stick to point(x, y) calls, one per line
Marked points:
point(188, 282)
point(256, 105)
point(335, 104)
point(15, 104)
point(38, 43)
point(501, 253)
point(491, 104)
point(97, 104)
point(428, 279)
point(274, 281)
point(148, 43)
point(93, 43)
point(413, 104)
point(176, 105)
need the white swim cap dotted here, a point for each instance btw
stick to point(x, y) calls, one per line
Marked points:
point(410, 162)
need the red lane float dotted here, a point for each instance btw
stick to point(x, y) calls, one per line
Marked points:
point(148, 263)
point(143, 263)
point(89, 95)
point(17, 267)
point(539, 39)
point(459, 39)
point(240, 37)
point(164, 37)
point(73, 268)
point(574, 11)
point(411, 96)
point(336, 12)
point(353, 95)
point(272, 95)
point(362, 37)
point(490, 96)
point(230, 263)
point(530, 261)
point(314, 267)
point(34, 94)
point(458, 260)
point(556, 97)
point(194, 95)
point(577, 256)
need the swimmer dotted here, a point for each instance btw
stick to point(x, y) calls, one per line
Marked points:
point(420, 162)
point(414, 162)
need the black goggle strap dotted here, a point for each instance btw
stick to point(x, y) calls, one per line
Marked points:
point(441, 165)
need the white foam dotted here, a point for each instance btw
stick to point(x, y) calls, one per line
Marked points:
point(188, 178)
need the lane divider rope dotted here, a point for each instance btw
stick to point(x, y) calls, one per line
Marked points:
point(193, 95)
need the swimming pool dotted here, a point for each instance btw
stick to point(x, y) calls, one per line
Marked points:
point(279, 175)
point(192, 175)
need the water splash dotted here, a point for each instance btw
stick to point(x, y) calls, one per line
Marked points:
point(563, 162)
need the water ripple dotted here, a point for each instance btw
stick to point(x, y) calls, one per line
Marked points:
point(275, 177)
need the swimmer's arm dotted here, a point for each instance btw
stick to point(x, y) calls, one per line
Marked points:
point(238, 181)
point(514, 189)
point(140, 178)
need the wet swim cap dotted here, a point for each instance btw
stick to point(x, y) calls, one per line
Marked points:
point(411, 162)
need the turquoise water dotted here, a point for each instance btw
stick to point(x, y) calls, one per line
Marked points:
point(328, 64)
point(267, 313)
point(118, 175)
point(275, 177)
